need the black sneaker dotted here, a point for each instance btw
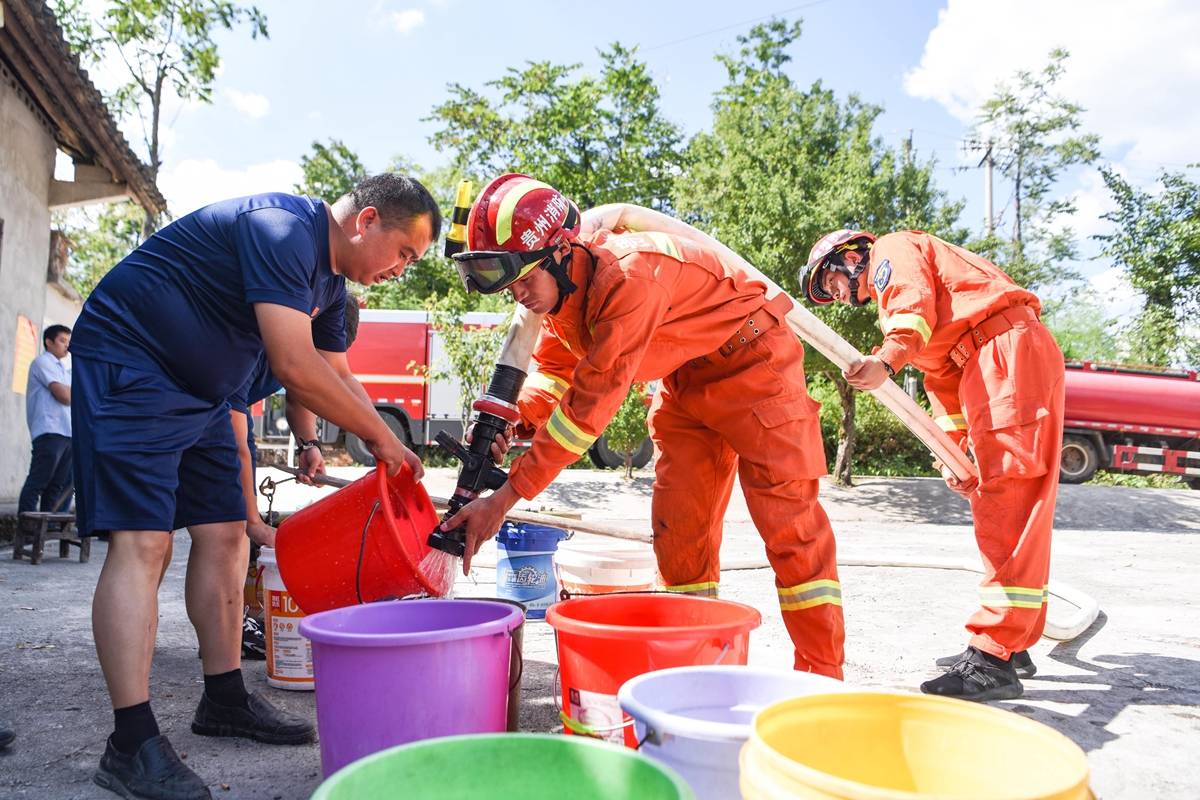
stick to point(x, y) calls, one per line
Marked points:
point(977, 676)
point(254, 641)
point(155, 772)
point(1022, 663)
point(258, 720)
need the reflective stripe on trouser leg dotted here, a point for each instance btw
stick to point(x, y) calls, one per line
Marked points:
point(703, 589)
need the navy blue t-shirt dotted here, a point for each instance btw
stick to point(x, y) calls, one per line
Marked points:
point(182, 302)
point(261, 384)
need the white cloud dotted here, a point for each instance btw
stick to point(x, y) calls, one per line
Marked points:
point(192, 183)
point(252, 105)
point(1132, 67)
point(408, 20)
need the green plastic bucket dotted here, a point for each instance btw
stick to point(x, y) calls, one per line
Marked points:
point(491, 766)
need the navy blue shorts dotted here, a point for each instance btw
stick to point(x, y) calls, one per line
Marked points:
point(148, 455)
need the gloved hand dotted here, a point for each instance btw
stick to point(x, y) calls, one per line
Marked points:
point(964, 488)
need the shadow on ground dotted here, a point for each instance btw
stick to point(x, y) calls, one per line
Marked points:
point(1111, 683)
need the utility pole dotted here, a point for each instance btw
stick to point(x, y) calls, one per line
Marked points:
point(987, 162)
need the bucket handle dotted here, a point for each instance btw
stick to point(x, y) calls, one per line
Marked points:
point(513, 684)
point(362, 549)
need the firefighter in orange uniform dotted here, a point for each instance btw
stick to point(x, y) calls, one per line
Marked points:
point(994, 376)
point(646, 306)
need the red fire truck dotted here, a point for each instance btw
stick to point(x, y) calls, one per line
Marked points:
point(1141, 420)
point(392, 356)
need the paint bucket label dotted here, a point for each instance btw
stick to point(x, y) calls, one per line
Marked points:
point(527, 578)
point(289, 655)
point(599, 711)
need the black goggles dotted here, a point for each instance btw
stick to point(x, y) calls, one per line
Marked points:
point(491, 271)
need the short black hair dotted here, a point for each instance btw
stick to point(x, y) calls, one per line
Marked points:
point(351, 312)
point(53, 333)
point(398, 199)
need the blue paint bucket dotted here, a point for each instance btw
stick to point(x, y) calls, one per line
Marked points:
point(525, 565)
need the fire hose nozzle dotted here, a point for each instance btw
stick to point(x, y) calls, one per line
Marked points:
point(456, 237)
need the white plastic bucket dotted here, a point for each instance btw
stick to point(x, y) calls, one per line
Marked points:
point(604, 567)
point(289, 655)
point(696, 719)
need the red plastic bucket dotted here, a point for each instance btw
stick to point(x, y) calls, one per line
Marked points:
point(365, 542)
point(606, 640)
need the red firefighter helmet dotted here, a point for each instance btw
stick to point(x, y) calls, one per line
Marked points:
point(819, 260)
point(515, 225)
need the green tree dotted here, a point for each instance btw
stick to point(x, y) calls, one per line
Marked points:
point(168, 47)
point(627, 429)
point(329, 171)
point(1083, 329)
point(597, 139)
point(98, 237)
point(1034, 135)
point(783, 165)
point(470, 350)
point(1157, 242)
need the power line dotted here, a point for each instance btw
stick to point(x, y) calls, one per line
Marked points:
point(735, 25)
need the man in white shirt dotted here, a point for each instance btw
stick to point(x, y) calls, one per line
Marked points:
point(48, 413)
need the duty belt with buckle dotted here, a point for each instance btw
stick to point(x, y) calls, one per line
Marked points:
point(758, 323)
point(966, 347)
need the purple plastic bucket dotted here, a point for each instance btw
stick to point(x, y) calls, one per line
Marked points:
point(396, 672)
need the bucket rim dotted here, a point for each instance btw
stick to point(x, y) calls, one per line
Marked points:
point(557, 617)
point(420, 498)
point(685, 792)
point(311, 626)
point(628, 555)
point(846, 787)
point(667, 721)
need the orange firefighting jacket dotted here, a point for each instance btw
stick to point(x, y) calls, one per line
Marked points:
point(647, 303)
point(930, 294)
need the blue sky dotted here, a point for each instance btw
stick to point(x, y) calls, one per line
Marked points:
point(369, 71)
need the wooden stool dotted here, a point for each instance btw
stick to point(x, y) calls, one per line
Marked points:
point(44, 525)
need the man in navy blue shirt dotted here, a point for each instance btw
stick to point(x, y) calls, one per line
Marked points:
point(162, 341)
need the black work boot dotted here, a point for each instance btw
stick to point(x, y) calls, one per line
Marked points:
point(977, 676)
point(258, 720)
point(254, 641)
point(154, 772)
point(1022, 663)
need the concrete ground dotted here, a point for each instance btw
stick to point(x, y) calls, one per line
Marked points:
point(1127, 690)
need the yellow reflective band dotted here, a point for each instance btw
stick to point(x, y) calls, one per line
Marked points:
point(913, 322)
point(567, 433)
point(708, 588)
point(548, 383)
point(807, 595)
point(664, 243)
point(504, 217)
point(951, 422)
point(1013, 596)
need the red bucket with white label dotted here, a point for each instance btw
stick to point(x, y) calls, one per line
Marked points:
point(289, 655)
point(606, 640)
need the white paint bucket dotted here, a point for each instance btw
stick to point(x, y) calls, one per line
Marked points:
point(605, 567)
point(289, 655)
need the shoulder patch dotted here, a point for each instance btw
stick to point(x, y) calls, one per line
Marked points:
point(883, 274)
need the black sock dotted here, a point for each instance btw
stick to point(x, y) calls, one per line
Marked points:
point(133, 726)
point(226, 689)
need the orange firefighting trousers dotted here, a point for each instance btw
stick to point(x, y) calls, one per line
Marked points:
point(1012, 397)
point(749, 413)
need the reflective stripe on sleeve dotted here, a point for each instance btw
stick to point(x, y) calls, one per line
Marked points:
point(567, 434)
point(951, 422)
point(550, 384)
point(913, 322)
point(807, 595)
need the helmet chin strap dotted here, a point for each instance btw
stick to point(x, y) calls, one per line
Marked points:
point(559, 272)
point(854, 275)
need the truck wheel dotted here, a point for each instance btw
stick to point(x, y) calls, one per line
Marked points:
point(604, 457)
point(1079, 460)
point(357, 448)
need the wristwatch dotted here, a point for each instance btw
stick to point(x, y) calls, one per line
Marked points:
point(891, 372)
point(302, 445)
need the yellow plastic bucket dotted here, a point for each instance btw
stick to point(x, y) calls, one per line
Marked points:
point(877, 746)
